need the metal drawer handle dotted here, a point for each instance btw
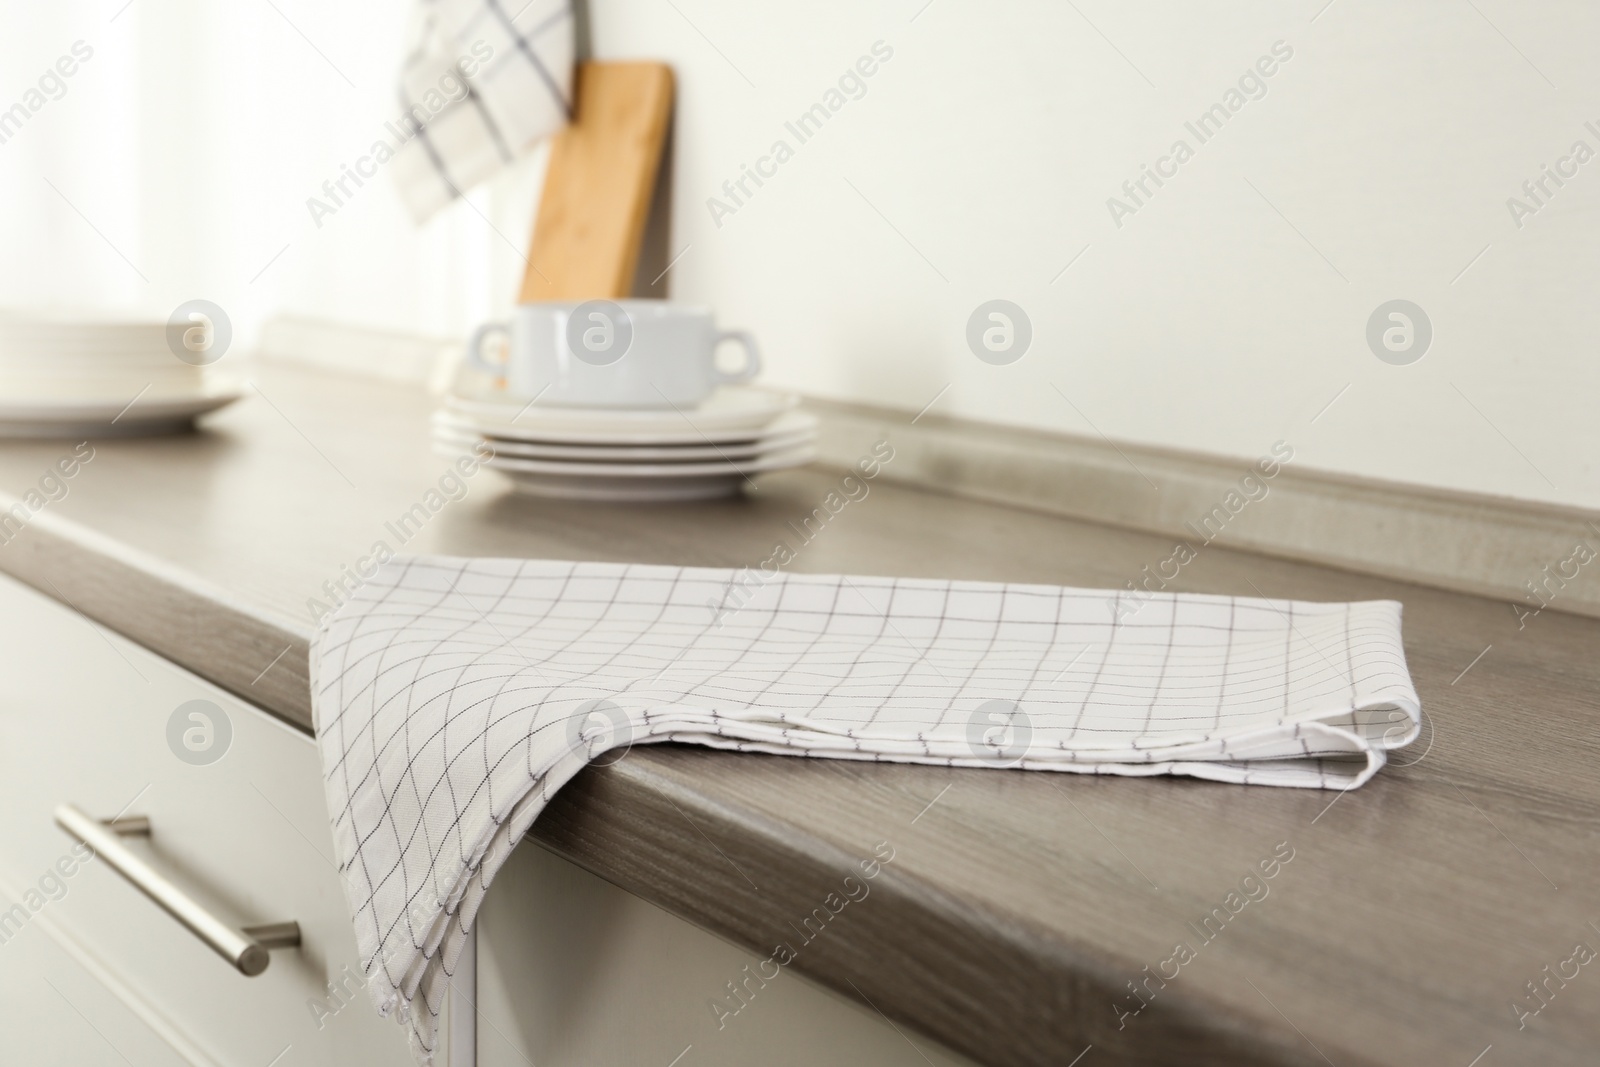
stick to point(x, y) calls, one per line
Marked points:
point(245, 948)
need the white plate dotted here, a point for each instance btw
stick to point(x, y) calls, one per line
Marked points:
point(90, 332)
point(799, 433)
point(511, 450)
point(684, 436)
point(149, 414)
point(650, 483)
point(54, 361)
point(107, 382)
point(630, 491)
point(793, 457)
point(82, 339)
point(783, 426)
point(731, 409)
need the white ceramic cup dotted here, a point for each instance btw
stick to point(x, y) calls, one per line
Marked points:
point(612, 354)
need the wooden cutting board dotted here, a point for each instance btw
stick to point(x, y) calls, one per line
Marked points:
point(597, 190)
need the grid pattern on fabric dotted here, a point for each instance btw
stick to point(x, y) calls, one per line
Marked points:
point(461, 130)
point(453, 697)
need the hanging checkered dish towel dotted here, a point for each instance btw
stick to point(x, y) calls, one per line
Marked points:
point(483, 80)
point(453, 697)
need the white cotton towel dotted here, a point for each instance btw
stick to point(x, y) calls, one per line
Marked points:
point(453, 697)
point(482, 81)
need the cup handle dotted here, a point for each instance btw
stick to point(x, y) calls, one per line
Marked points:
point(475, 355)
point(752, 357)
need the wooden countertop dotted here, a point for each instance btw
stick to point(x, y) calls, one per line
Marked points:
point(1018, 906)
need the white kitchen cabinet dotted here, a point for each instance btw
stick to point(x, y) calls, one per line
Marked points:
point(56, 1012)
point(573, 972)
point(87, 714)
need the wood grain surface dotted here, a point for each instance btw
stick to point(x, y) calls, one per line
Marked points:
point(1018, 905)
point(592, 211)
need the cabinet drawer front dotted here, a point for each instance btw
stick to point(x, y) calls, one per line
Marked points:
point(234, 799)
point(55, 1010)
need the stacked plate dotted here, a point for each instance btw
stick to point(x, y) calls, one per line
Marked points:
point(98, 378)
point(631, 454)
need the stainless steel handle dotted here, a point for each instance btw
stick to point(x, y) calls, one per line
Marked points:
point(245, 948)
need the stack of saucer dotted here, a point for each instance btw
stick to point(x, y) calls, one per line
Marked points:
point(98, 378)
point(631, 454)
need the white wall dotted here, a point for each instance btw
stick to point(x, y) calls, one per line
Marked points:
point(1223, 315)
point(193, 139)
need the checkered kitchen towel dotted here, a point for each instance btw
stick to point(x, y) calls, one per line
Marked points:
point(453, 697)
point(483, 80)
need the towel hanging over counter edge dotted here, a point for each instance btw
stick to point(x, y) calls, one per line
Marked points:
point(453, 697)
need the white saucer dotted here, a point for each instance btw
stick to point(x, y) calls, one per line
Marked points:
point(85, 335)
point(152, 413)
point(790, 430)
point(629, 490)
point(585, 470)
point(788, 422)
point(656, 456)
point(725, 415)
point(637, 483)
